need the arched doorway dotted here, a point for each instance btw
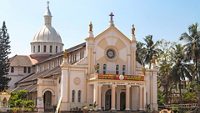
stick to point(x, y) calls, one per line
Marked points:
point(108, 100)
point(48, 101)
point(122, 101)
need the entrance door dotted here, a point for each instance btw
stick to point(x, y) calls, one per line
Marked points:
point(108, 100)
point(48, 101)
point(122, 101)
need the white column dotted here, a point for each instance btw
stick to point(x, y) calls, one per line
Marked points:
point(141, 96)
point(95, 94)
point(128, 97)
point(99, 103)
point(113, 98)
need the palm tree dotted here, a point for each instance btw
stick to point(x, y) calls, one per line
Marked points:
point(165, 63)
point(180, 70)
point(140, 53)
point(151, 49)
point(192, 46)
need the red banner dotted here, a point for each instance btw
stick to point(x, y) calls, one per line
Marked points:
point(125, 77)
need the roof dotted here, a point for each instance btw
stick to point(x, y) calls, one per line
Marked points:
point(30, 88)
point(47, 34)
point(79, 46)
point(69, 50)
point(43, 74)
point(21, 60)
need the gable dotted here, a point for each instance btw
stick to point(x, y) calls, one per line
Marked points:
point(112, 39)
point(112, 32)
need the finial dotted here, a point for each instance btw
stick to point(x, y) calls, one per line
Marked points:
point(47, 15)
point(90, 27)
point(111, 19)
point(65, 54)
point(48, 4)
point(133, 29)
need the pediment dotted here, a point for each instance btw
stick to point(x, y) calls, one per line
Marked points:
point(114, 32)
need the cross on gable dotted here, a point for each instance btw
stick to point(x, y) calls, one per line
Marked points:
point(111, 16)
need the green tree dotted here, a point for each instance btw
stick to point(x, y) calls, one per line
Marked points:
point(180, 70)
point(19, 100)
point(141, 53)
point(4, 61)
point(192, 46)
point(165, 63)
point(146, 51)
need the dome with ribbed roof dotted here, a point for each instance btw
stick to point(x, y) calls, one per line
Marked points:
point(47, 34)
point(47, 41)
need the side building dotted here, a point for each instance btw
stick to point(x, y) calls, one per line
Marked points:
point(102, 70)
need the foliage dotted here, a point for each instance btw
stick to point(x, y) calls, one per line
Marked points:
point(165, 62)
point(160, 98)
point(4, 61)
point(146, 52)
point(140, 53)
point(180, 70)
point(189, 97)
point(192, 46)
point(18, 100)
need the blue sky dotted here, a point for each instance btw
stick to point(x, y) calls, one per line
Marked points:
point(164, 19)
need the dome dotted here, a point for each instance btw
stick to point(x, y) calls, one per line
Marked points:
point(47, 34)
point(47, 41)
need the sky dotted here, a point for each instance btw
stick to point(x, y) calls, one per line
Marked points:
point(164, 19)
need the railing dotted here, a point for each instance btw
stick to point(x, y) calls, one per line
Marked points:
point(183, 107)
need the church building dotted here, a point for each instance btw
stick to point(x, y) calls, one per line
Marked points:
point(102, 70)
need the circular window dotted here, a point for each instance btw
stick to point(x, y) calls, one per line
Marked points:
point(110, 53)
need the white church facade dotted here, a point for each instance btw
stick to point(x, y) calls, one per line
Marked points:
point(102, 70)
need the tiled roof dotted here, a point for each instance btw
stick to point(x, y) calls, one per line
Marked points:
point(20, 60)
point(43, 74)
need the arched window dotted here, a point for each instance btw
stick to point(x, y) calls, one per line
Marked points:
point(117, 69)
point(50, 49)
point(97, 68)
point(29, 69)
point(73, 95)
point(12, 70)
point(34, 49)
point(123, 69)
point(104, 68)
point(38, 48)
point(25, 69)
point(45, 48)
point(79, 95)
point(56, 49)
